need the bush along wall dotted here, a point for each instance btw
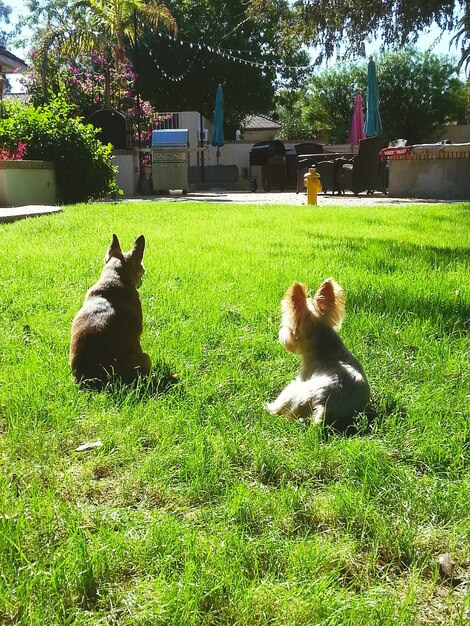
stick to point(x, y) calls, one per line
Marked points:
point(83, 165)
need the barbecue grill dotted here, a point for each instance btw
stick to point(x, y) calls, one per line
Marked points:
point(271, 156)
point(170, 163)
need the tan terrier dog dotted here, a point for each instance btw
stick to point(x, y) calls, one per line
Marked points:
point(106, 330)
point(331, 386)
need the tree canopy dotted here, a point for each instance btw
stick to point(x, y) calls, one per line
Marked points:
point(419, 93)
point(332, 26)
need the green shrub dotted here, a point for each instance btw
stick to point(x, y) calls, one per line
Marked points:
point(82, 163)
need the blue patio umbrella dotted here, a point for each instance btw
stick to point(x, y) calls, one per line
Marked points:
point(373, 124)
point(218, 138)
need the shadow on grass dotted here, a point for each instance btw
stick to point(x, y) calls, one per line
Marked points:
point(364, 423)
point(360, 424)
point(160, 381)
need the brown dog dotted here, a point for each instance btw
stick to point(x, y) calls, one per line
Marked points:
point(106, 331)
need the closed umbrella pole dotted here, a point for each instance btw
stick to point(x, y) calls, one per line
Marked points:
point(356, 132)
point(373, 124)
point(218, 138)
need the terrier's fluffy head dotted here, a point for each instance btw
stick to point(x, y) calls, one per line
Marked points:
point(130, 261)
point(301, 314)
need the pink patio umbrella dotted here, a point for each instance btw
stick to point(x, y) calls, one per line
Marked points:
point(357, 126)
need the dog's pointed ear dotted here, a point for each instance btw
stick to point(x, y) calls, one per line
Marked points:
point(329, 303)
point(295, 304)
point(114, 249)
point(138, 250)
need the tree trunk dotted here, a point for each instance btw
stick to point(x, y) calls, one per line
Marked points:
point(107, 88)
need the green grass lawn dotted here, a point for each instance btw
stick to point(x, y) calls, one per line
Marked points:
point(200, 508)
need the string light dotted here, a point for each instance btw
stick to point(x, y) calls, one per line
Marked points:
point(234, 55)
point(174, 79)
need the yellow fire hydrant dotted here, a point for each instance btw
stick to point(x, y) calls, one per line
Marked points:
point(313, 184)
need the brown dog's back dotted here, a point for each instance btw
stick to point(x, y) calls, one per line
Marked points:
point(106, 330)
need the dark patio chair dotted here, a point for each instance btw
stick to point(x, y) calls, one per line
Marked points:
point(328, 172)
point(365, 171)
point(304, 161)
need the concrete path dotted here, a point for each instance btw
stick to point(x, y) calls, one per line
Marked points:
point(232, 197)
point(31, 210)
point(277, 197)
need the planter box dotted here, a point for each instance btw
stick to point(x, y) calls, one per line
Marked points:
point(27, 182)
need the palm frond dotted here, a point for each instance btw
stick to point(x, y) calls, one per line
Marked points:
point(106, 27)
point(154, 14)
point(462, 39)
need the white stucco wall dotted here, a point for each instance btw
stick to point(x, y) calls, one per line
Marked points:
point(127, 176)
point(447, 179)
point(27, 182)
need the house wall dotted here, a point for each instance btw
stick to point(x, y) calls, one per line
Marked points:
point(459, 133)
point(259, 134)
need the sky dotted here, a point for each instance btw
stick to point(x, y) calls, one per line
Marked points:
point(425, 41)
point(18, 9)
